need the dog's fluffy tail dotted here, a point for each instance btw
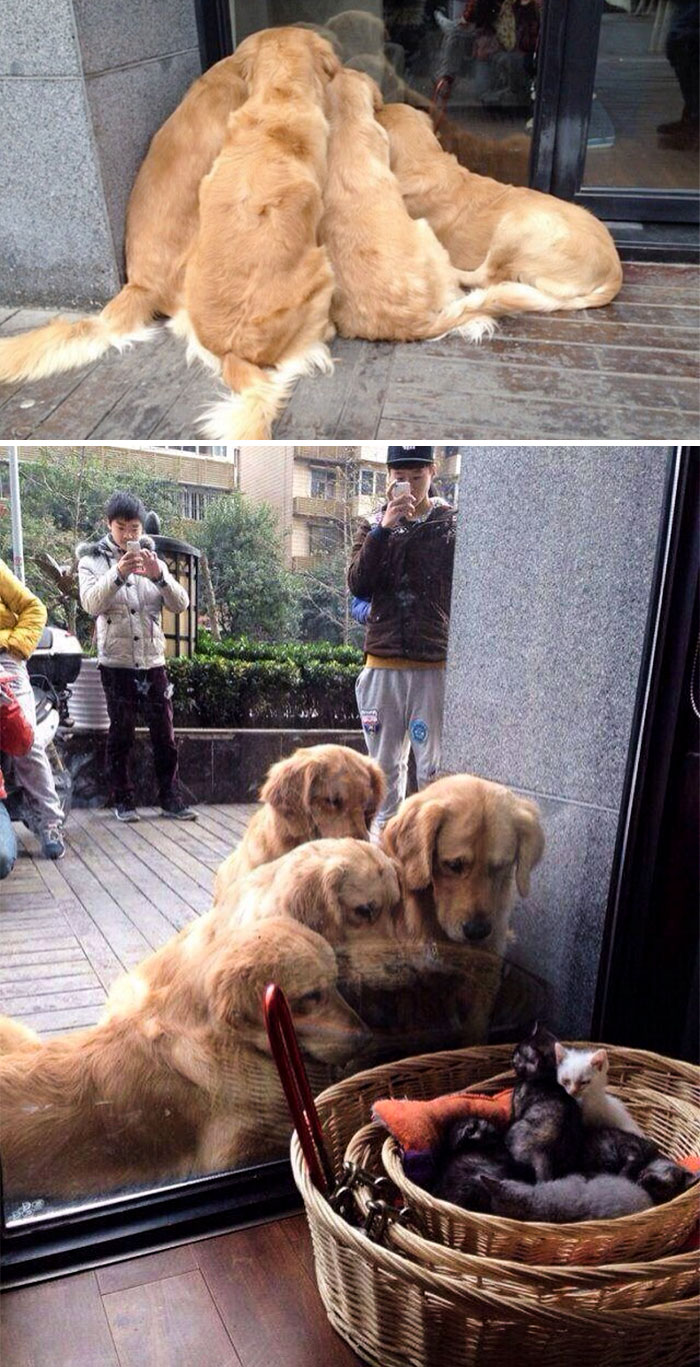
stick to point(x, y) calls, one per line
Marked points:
point(14, 1035)
point(510, 296)
point(248, 414)
point(62, 345)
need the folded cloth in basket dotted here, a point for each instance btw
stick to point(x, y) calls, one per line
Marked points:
point(418, 1125)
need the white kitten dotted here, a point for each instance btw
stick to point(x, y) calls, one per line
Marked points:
point(583, 1073)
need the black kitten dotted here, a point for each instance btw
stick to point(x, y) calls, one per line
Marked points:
point(663, 1179)
point(472, 1148)
point(546, 1132)
point(608, 1149)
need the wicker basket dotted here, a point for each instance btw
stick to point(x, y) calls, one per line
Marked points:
point(396, 1313)
point(612, 1286)
point(416, 1304)
point(674, 1124)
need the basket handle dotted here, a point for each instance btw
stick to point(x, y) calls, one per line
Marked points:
point(290, 1066)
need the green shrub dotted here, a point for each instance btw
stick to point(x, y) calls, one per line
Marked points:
point(286, 685)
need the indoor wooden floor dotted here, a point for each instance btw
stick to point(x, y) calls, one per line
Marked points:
point(68, 929)
point(246, 1299)
point(626, 371)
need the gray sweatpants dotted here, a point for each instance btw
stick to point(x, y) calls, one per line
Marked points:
point(400, 709)
point(32, 770)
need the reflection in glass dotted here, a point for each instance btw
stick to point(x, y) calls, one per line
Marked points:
point(644, 121)
point(471, 64)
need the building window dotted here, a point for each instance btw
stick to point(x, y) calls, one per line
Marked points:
point(194, 501)
point(322, 482)
point(372, 482)
point(323, 539)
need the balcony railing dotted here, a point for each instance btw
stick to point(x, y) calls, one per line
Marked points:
point(329, 508)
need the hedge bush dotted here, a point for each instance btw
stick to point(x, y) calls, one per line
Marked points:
point(243, 683)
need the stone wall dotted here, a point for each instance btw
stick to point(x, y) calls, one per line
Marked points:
point(84, 84)
point(554, 564)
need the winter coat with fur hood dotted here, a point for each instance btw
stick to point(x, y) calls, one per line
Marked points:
point(129, 631)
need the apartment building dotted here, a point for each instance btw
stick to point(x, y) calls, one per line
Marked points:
point(202, 473)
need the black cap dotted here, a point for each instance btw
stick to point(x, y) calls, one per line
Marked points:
point(409, 455)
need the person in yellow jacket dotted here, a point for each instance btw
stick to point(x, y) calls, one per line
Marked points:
point(22, 619)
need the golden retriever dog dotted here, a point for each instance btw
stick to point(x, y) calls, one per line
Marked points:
point(505, 159)
point(346, 890)
point(394, 281)
point(525, 251)
point(258, 285)
point(161, 223)
point(321, 791)
point(14, 1035)
point(183, 1082)
point(464, 845)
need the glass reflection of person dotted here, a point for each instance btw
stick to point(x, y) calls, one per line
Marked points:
point(402, 560)
point(683, 53)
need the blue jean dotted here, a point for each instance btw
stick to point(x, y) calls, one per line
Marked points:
point(8, 843)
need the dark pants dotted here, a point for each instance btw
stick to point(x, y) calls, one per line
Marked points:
point(682, 52)
point(126, 690)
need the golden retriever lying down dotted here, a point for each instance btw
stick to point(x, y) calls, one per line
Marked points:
point(181, 1083)
point(464, 845)
point(394, 281)
point(161, 223)
point(527, 251)
point(257, 283)
point(319, 791)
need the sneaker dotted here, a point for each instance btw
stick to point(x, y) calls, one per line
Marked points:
point(177, 810)
point(52, 846)
point(125, 811)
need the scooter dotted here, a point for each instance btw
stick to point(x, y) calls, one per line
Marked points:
point(53, 667)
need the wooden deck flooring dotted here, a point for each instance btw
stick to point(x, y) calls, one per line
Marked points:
point(629, 371)
point(68, 929)
point(246, 1299)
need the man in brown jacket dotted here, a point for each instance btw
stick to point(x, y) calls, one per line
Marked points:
point(402, 561)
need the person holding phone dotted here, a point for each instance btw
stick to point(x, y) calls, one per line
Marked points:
point(402, 562)
point(124, 586)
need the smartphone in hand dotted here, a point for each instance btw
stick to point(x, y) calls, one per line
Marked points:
point(400, 488)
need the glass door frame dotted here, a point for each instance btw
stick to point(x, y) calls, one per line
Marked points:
point(566, 69)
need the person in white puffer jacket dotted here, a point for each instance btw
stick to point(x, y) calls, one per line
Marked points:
point(125, 591)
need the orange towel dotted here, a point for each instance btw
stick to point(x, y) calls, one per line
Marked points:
point(419, 1124)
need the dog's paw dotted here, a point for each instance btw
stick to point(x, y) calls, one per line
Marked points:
point(478, 328)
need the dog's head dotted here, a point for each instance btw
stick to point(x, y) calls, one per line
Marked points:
point(325, 791)
point(411, 138)
point(303, 964)
point(275, 57)
point(354, 95)
point(349, 892)
point(471, 843)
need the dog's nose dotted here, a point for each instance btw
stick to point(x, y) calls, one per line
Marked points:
point(476, 929)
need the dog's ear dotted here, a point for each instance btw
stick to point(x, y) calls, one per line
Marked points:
point(327, 61)
point(283, 788)
point(233, 985)
point(314, 899)
point(530, 842)
point(377, 97)
point(243, 60)
point(378, 786)
point(410, 837)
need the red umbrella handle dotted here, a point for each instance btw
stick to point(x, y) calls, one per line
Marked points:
point(290, 1066)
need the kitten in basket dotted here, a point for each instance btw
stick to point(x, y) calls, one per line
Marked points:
point(570, 1152)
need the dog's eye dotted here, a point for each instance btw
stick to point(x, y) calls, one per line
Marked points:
point(334, 802)
point(505, 867)
point(309, 1001)
point(366, 913)
point(456, 865)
